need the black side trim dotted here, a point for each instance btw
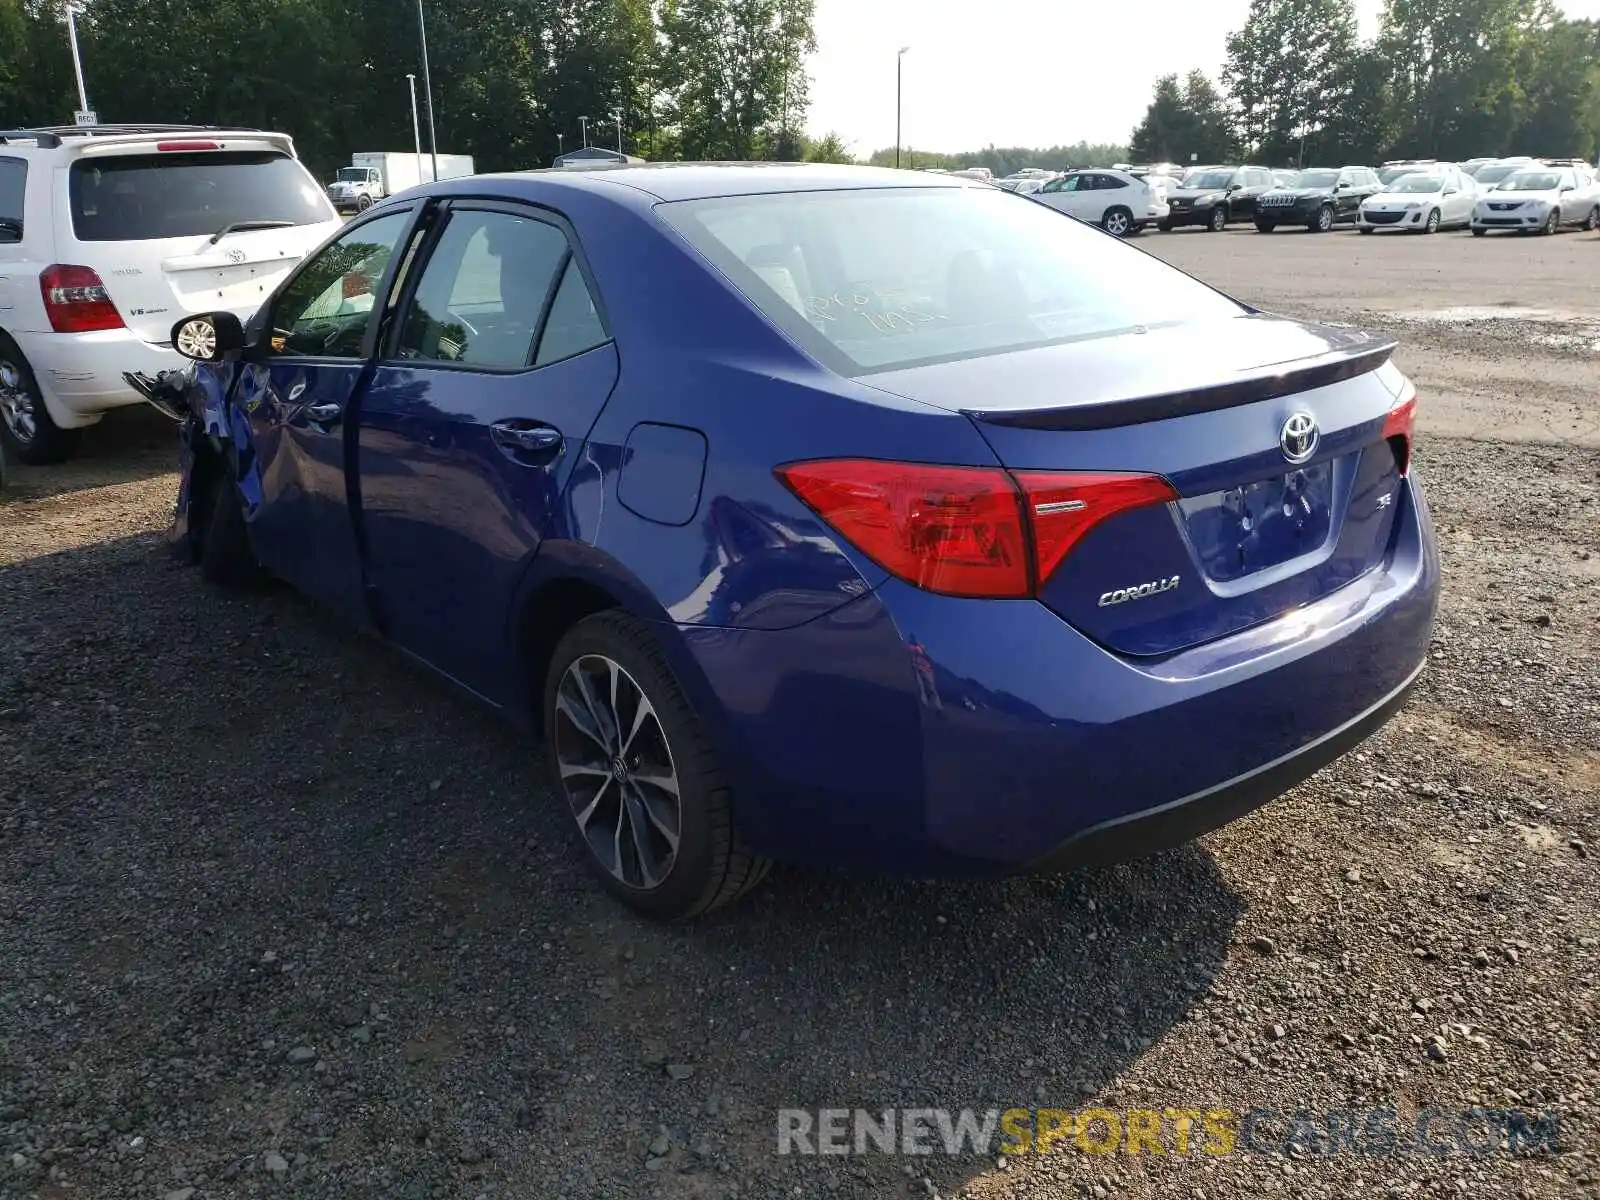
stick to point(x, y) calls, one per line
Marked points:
point(1211, 398)
point(1154, 830)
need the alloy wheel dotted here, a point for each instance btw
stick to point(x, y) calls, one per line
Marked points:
point(1325, 219)
point(17, 404)
point(1116, 224)
point(617, 771)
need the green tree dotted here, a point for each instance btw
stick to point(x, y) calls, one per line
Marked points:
point(1358, 127)
point(1285, 72)
point(830, 148)
point(1455, 69)
point(1562, 90)
point(1185, 122)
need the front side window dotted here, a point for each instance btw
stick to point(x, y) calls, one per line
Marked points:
point(483, 291)
point(13, 190)
point(325, 310)
point(876, 279)
point(148, 197)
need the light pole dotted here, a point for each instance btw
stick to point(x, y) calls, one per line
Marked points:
point(899, 61)
point(616, 115)
point(416, 124)
point(427, 83)
point(77, 59)
point(561, 145)
point(583, 123)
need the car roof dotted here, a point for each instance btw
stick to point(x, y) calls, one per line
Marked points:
point(700, 181)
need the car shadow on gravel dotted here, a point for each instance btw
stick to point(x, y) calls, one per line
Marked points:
point(128, 445)
point(270, 891)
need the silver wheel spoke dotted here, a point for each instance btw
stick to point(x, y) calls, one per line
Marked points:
point(587, 814)
point(642, 714)
point(586, 693)
point(582, 721)
point(667, 783)
point(655, 818)
point(568, 770)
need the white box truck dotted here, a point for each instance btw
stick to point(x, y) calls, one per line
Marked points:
point(372, 175)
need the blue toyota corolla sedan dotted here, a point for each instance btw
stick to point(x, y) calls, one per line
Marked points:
point(849, 517)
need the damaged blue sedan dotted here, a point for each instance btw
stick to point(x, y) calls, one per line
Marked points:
point(855, 518)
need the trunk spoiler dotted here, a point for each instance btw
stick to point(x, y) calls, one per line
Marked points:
point(1357, 356)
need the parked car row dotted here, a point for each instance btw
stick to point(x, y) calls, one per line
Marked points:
point(1424, 196)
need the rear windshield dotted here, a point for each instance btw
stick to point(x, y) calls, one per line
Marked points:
point(873, 280)
point(145, 197)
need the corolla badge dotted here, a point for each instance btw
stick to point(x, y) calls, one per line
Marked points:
point(1139, 592)
point(1299, 437)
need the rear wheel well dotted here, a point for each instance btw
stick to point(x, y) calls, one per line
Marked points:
point(552, 610)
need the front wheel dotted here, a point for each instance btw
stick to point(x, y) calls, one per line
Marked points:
point(1593, 220)
point(1476, 232)
point(1323, 221)
point(1265, 226)
point(363, 203)
point(1432, 225)
point(1118, 222)
point(1164, 226)
point(1552, 223)
point(649, 802)
point(1364, 228)
point(1218, 221)
point(25, 422)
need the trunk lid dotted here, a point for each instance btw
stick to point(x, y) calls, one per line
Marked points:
point(1264, 523)
point(145, 217)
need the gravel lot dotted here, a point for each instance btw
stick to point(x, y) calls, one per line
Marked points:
point(278, 916)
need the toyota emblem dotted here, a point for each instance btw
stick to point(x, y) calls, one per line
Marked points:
point(1299, 437)
point(235, 255)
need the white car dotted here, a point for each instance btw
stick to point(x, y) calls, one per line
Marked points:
point(1539, 200)
point(1114, 200)
point(1437, 197)
point(108, 235)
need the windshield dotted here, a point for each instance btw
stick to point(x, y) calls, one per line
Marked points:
point(1494, 172)
point(1390, 174)
point(353, 174)
point(1317, 179)
point(1417, 183)
point(1208, 180)
point(1532, 181)
point(872, 280)
point(146, 197)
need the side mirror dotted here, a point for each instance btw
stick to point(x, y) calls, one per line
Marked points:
point(1234, 187)
point(1341, 187)
point(1568, 188)
point(208, 337)
point(1450, 191)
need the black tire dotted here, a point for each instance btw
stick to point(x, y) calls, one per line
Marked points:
point(1552, 223)
point(1164, 226)
point(220, 544)
point(1363, 228)
point(1431, 225)
point(1592, 222)
point(1218, 221)
point(1265, 226)
point(1118, 222)
point(25, 423)
point(1323, 221)
point(363, 203)
point(1476, 232)
point(709, 867)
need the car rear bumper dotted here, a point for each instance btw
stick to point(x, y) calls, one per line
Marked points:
point(81, 373)
point(935, 735)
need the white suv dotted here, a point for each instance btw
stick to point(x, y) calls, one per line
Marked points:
point(108, 235)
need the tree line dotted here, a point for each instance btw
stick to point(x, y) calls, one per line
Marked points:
point(1464, 79)
point(699, 79)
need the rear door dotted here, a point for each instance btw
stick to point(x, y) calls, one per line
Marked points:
point(320, 332)
point(494, 375)
point(189, 225)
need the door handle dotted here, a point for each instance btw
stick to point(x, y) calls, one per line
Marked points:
point(524, 441)
point(323, 413)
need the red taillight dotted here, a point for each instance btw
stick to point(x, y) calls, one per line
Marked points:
point(180, 147)
point(75, 300)
point(966, 531)
point(1401, 424)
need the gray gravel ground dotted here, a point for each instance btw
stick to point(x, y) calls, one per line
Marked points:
point(278, 916)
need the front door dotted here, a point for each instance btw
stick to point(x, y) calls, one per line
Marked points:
point(298, 395)
point(496, 371)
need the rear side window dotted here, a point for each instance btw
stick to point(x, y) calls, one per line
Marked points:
point(146, 197)
point(876, 279)
point(483, 291)
point(574, 324)
point(13, 189)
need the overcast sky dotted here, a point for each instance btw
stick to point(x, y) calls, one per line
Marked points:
point(1015, 72)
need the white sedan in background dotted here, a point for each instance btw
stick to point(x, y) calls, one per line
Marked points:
point(1425, 201)
point(1539, 200)
point(1114, 200)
